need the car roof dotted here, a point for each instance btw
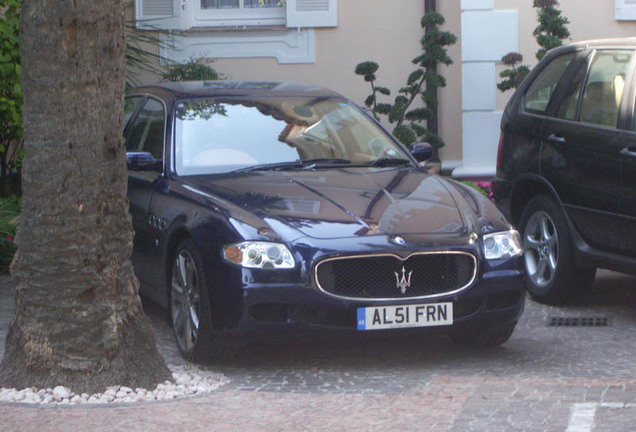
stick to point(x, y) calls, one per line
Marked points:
point(188, 89)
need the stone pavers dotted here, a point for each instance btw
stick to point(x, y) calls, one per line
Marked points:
point(543, 379)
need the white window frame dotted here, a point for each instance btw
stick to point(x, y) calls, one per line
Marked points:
point(626, 10)
point(238, 17)
point(183, 15)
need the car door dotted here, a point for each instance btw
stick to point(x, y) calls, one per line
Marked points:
point(628, 170)
point(581, 148)
point(526, 129)
point(146, 133)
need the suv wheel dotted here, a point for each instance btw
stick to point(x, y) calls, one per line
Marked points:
point(552, 275)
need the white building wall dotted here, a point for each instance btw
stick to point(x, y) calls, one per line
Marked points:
point(487, 35)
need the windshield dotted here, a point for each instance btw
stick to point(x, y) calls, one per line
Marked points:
point(222, 135)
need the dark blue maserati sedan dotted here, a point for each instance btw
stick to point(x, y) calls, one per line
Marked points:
point(263, 208)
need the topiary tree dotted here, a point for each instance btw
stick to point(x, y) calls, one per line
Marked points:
point(550, 33)
point(512, 77)
point(552, 29)
point(408, 121)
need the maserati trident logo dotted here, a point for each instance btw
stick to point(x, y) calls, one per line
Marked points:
point(403, 282)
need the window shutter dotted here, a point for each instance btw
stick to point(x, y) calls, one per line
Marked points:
point(158, 14)
point(312, 13)
point(626, 10)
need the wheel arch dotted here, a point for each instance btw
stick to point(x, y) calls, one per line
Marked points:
point(525, 188)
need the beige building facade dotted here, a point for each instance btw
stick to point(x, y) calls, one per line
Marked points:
point(321, 42)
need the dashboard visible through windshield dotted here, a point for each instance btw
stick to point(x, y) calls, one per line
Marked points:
point(214, 136)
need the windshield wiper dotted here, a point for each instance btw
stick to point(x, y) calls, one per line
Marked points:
point(321, 162)
point(271, 167)
point(383, 162)
point(297, 164)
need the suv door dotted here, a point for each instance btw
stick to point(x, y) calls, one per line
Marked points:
point(581, 148)
point(628, 171)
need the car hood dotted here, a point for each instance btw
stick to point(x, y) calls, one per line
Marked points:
point(340, 203)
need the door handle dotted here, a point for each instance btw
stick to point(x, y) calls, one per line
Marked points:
point(556, 139)
point(629, 151)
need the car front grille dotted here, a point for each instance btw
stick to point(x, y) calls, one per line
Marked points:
point(375, 277)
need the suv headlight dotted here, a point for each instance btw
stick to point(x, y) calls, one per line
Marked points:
point(505, 244)
point(260, 255)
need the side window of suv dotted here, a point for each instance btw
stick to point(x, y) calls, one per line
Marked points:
point(570, 102)
point(538, 95)
point(604, 87)
point(147, 132)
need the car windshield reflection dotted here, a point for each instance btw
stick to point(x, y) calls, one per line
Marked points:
point(214, 136)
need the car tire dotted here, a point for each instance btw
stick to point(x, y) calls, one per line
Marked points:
point(552, 275)
point(484, 337)
point(189, 306)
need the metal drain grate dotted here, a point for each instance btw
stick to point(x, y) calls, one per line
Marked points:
point(579, 322)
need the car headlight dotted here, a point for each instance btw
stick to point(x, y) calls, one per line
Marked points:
point(505, 244)
point(260, 255)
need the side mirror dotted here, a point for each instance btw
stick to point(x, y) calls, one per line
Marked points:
point(422, 151)
point(143, 161)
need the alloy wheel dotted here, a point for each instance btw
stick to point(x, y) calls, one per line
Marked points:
point(185, 300)
point(541, 249)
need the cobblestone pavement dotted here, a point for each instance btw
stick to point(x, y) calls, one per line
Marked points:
point(546, 378)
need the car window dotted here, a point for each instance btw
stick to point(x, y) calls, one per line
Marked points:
point(538, 95)
point(221, 135)
point(131, 104)
point(604, 87)
point(147, 132)
point(570, 102)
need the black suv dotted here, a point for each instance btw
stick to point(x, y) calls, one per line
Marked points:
point(566, 166)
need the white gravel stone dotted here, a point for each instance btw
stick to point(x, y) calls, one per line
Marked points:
point(60, 393)
point(188, 381)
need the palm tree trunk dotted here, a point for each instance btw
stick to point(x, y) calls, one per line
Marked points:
point(78, 319)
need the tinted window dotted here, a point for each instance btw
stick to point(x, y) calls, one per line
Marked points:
point(604, 87)
point(570, 102)
point(147, 132)
point(539, 94)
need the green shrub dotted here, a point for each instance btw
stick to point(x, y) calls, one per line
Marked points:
point(9, 216)
point(190, 71)
point(11, 99)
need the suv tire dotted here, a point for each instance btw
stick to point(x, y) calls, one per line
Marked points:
point(552, 275)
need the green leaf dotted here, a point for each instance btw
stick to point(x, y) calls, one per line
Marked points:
point(383, 108)
point(405, 134)
point(420, 114)
point(366, 68)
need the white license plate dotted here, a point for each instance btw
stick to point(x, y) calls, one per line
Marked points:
point(405, 316)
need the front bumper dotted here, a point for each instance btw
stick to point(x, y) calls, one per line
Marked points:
point(278, 309)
